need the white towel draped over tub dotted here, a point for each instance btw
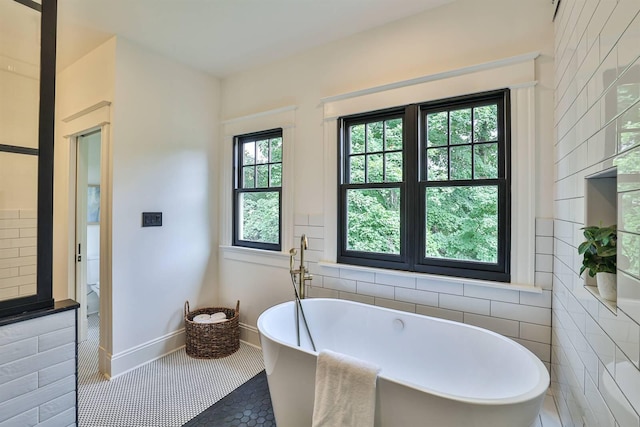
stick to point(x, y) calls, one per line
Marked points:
point(345, 391)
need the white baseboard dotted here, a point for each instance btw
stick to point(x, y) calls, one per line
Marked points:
point(142, 354)
point(250, 335)
point(113, 366)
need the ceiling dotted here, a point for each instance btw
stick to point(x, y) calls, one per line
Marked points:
point(222, 37)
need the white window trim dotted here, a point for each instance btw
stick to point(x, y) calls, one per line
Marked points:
point(284, 118)
point(516, 73)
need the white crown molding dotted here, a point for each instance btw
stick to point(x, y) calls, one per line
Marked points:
point(433, 77)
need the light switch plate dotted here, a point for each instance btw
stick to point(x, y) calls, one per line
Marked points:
point(152, 219)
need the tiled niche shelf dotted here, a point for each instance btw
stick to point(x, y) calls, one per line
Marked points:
point(602, 210)
point(612, 306)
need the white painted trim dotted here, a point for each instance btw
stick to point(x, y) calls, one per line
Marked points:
point(523, 85)
point(106, 246)
point(86, 120)
point(256, 256)
point(260, 114)
point(138, 353)
point(413, 275)
point(517, 73)
point(86, 111)
point(97, 116)
point(434, 77)
point(330, 190)
point(147, 352)
point(284, 118)
point(512, 75)
point(281, 260)
point(250, 335)
point(523, 190)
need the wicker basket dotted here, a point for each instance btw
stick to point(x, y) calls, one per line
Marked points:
point(212, 340)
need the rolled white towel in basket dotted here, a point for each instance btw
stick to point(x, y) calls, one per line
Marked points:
point(218, 316)
point(202, 318)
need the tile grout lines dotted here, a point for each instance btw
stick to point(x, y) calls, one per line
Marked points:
point(164, 393)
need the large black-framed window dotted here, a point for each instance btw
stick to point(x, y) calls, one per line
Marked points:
point(426, 187)
point(257, 190)
point(42, 155)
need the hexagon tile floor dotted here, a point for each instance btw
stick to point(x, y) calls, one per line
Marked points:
point(247, 406)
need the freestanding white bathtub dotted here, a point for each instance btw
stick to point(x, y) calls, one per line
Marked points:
point(433, 372)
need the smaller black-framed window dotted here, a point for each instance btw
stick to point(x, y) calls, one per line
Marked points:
point(257, 190)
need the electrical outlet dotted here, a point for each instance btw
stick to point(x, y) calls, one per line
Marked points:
point(152, 219)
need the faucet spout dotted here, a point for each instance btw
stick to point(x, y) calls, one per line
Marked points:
point(301, 272)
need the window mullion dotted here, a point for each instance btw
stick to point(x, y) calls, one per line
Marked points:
point(411, 155)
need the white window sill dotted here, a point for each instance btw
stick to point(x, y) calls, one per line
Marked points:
point(281, 260)
point(451, 279)
point(255, 256)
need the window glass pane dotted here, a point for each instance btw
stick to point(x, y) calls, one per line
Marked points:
point(262, 176)
point(485, 159)
point(462, 223)
point(629, 127)
point(437, 164)
point(460, 125)
point(393, 167)
point(627, 95)
point(276, 175)
point(629, 139)
point(248, 177)
point(18, 225)
point(276, 150)
point(373, 220)
point(461, 162)
point(357, 170)
point(437, 129)
point(356, 139)
point(20, 75)
point(393, 134)
point(259, 217)
point(249, 153)
point(374, 137)
point(374, 168)
point(485, 123)
point(262, 152)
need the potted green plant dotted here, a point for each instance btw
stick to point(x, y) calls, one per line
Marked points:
point(599, 258)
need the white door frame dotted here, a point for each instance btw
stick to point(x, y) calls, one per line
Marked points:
point(97, 116)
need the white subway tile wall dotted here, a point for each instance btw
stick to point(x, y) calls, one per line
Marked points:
point(38, 371)
point(595, 355)
point(521, 315)
point(17, 253)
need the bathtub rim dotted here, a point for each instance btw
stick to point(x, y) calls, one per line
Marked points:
point(536, 392)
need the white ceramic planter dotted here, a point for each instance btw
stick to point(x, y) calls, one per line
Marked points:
point(607, 286)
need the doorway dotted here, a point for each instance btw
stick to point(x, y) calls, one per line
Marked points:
point(87, 241)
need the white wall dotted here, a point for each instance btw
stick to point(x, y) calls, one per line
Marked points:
point(461, 34)
point(164, 131)
point(161, 150)
point(85, 83)
point(596, 346)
